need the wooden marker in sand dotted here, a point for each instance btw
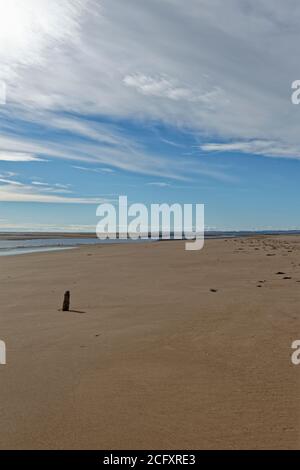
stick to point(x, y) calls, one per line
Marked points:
point(66, 304)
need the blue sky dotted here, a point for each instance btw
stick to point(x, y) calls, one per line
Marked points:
point(150, 100)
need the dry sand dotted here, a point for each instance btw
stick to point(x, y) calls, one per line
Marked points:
point(156, 360)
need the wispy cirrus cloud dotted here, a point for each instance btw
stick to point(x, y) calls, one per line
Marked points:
point(55, 187)
point(208, 68)
point(93, 170)
point(211, 67)
point(12, 190)
point(165, 87)
point(159, 184)
point(15, 193)
point(103, 144)
point(11, 156)
point(255, 147)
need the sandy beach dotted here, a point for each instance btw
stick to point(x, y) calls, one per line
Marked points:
point(164, 348)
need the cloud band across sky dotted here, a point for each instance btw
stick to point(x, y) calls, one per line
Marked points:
point(188, 66)
point(159, 89)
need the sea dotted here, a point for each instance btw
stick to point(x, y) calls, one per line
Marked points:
point(12, 247)
point(21, 244)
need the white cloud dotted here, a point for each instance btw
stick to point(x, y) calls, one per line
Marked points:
point(256, 147)
point(121, 152)
point(11, 193)
point(28, 29)
point(159, 184)
point(15, 183)
point(16, 191)
point(7, 174)
point(8, 156)
point(164, 87)
point(94, 170)
point(217, 68)
point(56, 187)
point(38, 183)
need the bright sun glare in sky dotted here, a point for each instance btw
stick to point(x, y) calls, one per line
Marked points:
point(27, 27)
point(17, 24)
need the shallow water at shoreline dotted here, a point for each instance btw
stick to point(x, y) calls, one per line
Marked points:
point(26, 251)
point(21, 247)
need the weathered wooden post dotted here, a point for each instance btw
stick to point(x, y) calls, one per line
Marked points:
point(66, 304)
point(2, 353)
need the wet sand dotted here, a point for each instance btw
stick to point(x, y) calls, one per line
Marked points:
point(164, 348)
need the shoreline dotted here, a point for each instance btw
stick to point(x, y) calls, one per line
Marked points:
point(77, 241)
point(15, 236)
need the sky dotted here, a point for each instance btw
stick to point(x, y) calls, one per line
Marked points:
point(161, 100)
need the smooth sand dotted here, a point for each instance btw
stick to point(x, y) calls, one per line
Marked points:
point(157, 360)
